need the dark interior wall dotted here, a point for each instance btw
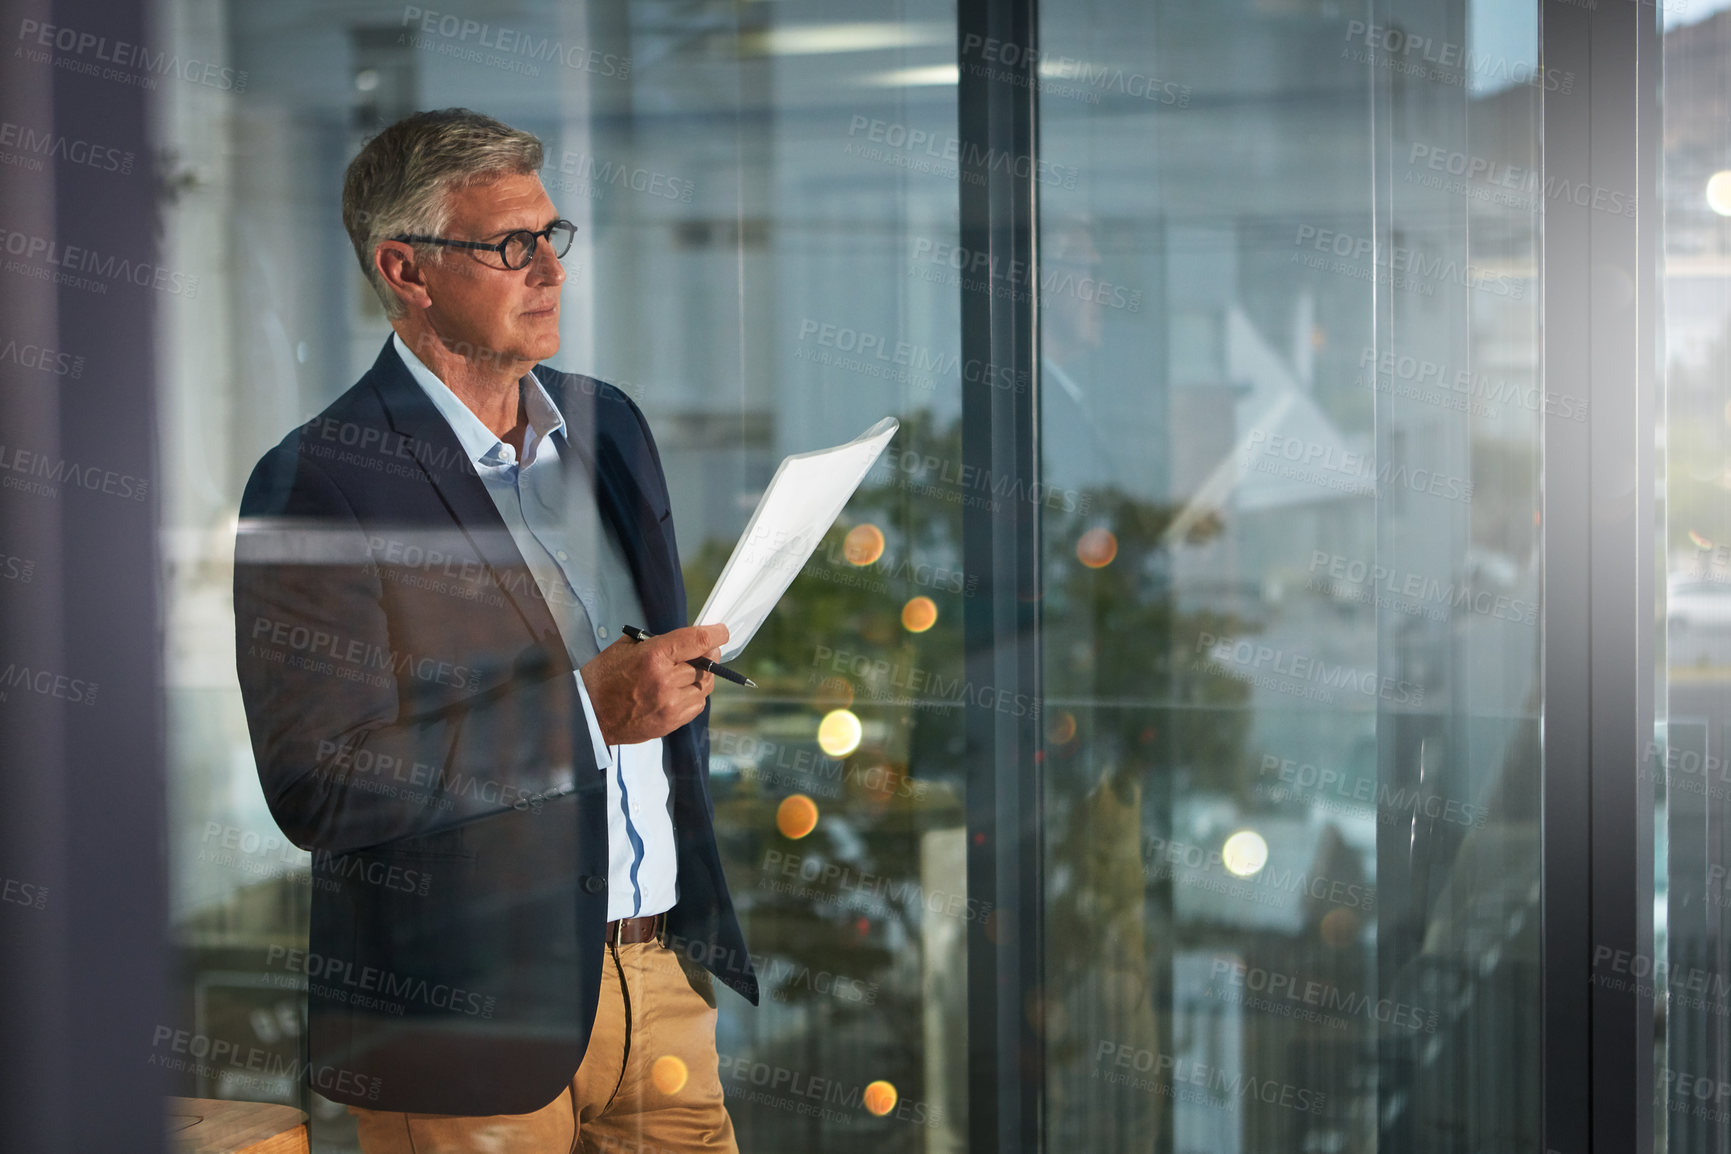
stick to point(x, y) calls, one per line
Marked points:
point(81, 732)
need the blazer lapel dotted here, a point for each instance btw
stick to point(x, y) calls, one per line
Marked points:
point(435, 448)
point(607, 443)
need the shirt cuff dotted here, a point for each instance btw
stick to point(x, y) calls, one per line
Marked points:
point(603, 758)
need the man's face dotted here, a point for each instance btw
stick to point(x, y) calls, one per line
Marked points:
point(481, 308)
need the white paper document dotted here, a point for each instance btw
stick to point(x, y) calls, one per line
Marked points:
point(802, 501)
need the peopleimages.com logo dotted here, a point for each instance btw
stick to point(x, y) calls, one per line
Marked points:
point(104, 269)
point(1315, 675)
point(35, 145)
point(906, 141)
point(42, 359)
point(1335, 790)
point(1187, 1080)
point(1446, 61)
point(514, 46)
point(1334, 467)
point(90, 54)
point(1465, 390)
point(209, 1056)
point(1409, 267)
point(1417, 594)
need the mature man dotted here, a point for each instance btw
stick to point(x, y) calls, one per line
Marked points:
point(507, 804)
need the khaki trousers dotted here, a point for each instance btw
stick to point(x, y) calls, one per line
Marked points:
point(649, 1082)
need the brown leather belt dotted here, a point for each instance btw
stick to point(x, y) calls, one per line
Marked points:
point(631, 931)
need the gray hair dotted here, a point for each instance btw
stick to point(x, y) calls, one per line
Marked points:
point(402, 179)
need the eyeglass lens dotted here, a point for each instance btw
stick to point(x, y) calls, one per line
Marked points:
point(520, 245)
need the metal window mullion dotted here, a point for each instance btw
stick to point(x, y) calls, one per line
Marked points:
point(997, 113)
point(1599, 273)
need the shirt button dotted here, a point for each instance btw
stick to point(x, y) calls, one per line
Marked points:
point(601, 632)
point(562, 555)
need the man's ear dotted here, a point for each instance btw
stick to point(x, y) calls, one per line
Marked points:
point(403, 271)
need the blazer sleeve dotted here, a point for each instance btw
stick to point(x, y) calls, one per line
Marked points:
point(360, 741)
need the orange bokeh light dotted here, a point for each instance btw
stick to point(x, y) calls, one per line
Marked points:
point(863, 544)
point(1097, 548)
point(880, 1097)
point(669, 1074)
point(796, 816)
point(834, 693)
point(919, 614)
point(1340, 928)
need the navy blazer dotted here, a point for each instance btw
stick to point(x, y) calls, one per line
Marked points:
point(416, 724)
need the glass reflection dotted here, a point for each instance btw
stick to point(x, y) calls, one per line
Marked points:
point(1686, 761)
point(1292, 619)
point(766, 217)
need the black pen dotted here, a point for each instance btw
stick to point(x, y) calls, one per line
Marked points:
point(702, 663)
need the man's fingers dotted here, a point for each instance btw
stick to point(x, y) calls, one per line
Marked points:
point(647, 689)
point(693, 641)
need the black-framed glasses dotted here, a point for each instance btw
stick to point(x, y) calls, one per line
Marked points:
point(517, 249)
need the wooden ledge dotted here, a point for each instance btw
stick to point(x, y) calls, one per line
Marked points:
point(217, 1126)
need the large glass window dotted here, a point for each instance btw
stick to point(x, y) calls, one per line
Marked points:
point(1292, 425)
point(1686, 762)
point(766, 264)
point(1290, 370)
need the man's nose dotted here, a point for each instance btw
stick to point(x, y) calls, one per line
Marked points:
point(544, 267)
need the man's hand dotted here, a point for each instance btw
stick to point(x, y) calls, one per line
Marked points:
point(645, 689)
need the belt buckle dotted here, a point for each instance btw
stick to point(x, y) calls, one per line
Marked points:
point(617, 937)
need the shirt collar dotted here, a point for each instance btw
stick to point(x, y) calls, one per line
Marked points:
point(482, 445)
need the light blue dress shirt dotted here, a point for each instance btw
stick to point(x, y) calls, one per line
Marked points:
point(581, 569)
